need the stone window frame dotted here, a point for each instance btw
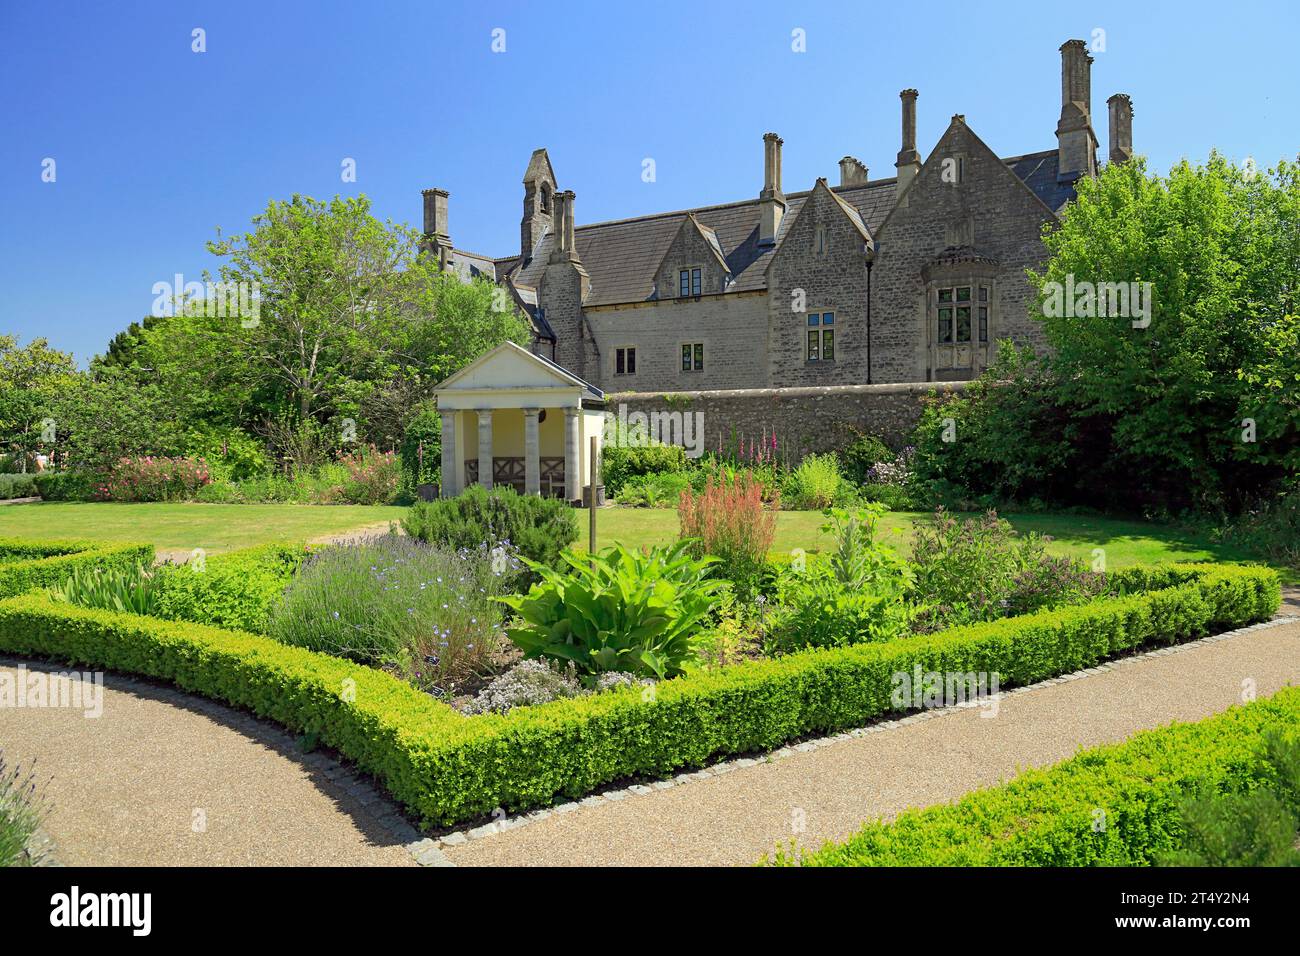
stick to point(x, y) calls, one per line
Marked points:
point(697, 347)
point(815, 324)
point(976, 272)
point(694, 276)
point(624, 352)
point(822, 244)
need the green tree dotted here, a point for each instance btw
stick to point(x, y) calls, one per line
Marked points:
point(1220, 249)
point(32, 377)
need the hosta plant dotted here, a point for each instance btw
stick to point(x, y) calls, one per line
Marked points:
point(619, 610)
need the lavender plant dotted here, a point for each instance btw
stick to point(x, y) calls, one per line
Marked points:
point(21, 809)
point(427, 613)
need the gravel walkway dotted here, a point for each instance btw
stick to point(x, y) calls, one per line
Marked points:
point(165, 778)
point(827, 793)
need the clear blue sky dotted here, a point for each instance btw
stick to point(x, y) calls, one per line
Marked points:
point(156, 145)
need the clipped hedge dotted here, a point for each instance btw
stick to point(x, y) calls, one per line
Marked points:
point(17, 486)
point(446, 767)
point(1050, 817)
point(27, 565)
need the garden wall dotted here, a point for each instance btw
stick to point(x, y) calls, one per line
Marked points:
point(805, 419)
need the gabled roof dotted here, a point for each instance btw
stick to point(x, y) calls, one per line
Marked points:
point(623, 256)
point(521, 368)
point(709, 236)
point(539, 167)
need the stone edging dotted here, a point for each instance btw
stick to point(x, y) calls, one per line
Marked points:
point(503, 824)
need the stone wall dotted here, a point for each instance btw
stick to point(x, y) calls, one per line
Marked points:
point(805, 420)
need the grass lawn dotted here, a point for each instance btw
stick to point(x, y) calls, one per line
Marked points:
point(184, 527)
point(180, 528)
point(1125, 542)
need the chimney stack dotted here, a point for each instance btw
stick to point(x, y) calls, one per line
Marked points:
point(1074, 134)
point(852, 172)
point(1121, 127)
point(565, 248)
point(436, 237)
point(909, 160)
point(771, 200)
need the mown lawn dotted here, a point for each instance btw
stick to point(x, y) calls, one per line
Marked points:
point(1125, 542)
point(175, 528)
point(184, 527)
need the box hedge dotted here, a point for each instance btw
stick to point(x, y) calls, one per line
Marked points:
point(27, 565)
point(1115, 805)
point(445, 767)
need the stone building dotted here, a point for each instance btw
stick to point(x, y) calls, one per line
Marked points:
point(907, 279)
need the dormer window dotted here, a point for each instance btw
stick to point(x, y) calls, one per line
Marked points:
point(689, 282)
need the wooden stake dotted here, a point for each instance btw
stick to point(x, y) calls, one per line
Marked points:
point(595, 476)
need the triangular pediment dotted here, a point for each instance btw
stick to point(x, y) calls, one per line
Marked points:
point(514, 367)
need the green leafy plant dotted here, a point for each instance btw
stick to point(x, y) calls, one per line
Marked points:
point(620, 610)
point(979, 569)
point(533, 527)
point(858, 595)
point(863, 454)
point(654, 491)
point(631, 454)
point(130, 590)
point(235, 590)
point(817, 483)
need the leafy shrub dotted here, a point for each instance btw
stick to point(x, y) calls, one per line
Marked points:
point(373, 476)
point(1270, 528)
point(231, 454)
point(979, 569)
point(1252, 828)
point(17, 486)
point(526, 684)
point(654, 491)
point(426, 612)
point(620, 610)
point(129, 590)
point(633, 456)
point(729, 521)
point(817, 483)
point(862, 455)
point(1047, 817)
point(67, 485)
point(323, 487)
point(857, 595)
point(421, 451)
point(234, 590)
point(446, 767)
point(154, 479)
point(21, 811)
point(533, 527)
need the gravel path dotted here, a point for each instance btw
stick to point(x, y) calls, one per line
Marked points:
point(828, 793)
point(165, 778)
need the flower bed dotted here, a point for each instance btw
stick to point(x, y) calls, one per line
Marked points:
point(1050, 817)
point(26, 565)
point(445, 767)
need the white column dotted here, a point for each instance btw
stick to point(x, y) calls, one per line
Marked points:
point(572, 453)
point(450, 458)
point(532, 446)
point(485, 447)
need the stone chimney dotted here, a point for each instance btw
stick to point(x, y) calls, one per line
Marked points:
point(1076, 140)
point(909, 160)
point(565, 248)
point(852, 172)
point(771, 200)
point(1121, 127)
point(436, 239)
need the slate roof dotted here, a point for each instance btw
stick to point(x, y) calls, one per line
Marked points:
point(1038, 172)
point(622, 256)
